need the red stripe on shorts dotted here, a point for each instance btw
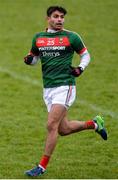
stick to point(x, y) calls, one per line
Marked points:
point(69, 93)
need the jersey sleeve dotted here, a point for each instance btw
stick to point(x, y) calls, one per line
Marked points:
point(77, 44)
point(34, 49)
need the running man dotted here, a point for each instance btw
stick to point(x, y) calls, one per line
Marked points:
point(55, 48)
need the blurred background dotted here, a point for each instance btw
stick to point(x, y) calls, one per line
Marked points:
point(22, 110)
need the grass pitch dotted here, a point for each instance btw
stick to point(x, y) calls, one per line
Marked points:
point(22, 111)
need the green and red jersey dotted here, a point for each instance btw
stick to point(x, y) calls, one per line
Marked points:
point(56, 52)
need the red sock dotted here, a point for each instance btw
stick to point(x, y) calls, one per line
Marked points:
point(44, 161)
point(90, 124)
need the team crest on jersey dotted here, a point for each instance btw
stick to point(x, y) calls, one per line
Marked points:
point(60, 40)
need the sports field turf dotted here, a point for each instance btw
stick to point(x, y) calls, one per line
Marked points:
point(22, 110)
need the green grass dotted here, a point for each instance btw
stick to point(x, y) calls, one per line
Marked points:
point(22, 110)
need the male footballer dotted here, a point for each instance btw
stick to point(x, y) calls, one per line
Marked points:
point(55, 48)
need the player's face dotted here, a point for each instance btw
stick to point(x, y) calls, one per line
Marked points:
point(56, 21)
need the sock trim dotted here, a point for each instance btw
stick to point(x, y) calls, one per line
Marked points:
point(43, 169)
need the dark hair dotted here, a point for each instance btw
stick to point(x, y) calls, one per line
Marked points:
point(51, 9)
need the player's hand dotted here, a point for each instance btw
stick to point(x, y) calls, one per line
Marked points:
point(76, 71)
point(28, 59)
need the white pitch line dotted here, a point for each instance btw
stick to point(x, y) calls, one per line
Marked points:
point(37, 83)
point(99, 109)
point(19, 77)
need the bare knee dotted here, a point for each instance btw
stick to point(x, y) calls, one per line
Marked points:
point(52, 125)
point(64, 127)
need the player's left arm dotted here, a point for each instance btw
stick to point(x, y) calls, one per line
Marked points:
point(81, 49)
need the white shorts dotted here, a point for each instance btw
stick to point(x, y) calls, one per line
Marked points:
point(64, 95)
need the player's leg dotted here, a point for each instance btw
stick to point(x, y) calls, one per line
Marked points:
point(67, 127)
point(55, 115)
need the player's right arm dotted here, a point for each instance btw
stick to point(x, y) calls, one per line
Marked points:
point(33, 55)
